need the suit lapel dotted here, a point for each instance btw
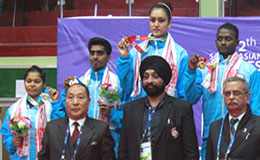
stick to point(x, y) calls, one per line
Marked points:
point(139, 114)
point(87, 133)
point(226, 134)
point(243, 129)
point(62, 128)
point(165, 110)
point(60, 136)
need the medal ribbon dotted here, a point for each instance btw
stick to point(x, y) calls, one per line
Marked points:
point(66, 141)
point(39, 102)
point(213, 65)
point(141, 38)
point(219, 141)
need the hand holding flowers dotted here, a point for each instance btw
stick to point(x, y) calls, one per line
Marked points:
point(20, 125)
point(17, 140)
point(109, 95)
point(108, 99)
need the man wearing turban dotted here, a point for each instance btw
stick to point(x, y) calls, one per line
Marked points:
point(157, 126)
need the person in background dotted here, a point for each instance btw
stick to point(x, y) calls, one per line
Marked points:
point(208, 82)
point(77, 136)
point(159, 42)
point(236, 136)
point(157, 126)
point(99, 55)
point(38, 108)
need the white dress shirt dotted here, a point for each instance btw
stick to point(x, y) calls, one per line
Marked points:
point(72, 127)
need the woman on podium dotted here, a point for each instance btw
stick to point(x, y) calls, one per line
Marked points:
point(25, 120)
point(159, 42)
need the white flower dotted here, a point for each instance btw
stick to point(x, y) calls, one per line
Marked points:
point(21, 124)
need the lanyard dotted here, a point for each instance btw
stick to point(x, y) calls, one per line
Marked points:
point(141, 38)
point(219, 141)
point(66, 141)
point(151, 111)
point(147, 130)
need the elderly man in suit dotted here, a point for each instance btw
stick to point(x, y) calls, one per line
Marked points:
point(77, 136)
point(157, 126)
point(237, 136)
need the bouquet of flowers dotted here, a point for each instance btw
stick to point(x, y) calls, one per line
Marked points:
point(108, 96)
point(20, 124)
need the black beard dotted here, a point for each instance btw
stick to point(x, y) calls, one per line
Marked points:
point(155, 91)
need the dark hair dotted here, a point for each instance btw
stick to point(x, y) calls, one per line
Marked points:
point(102, 42)
point(35, 68)
point(230, 27)
point(166, 6)
point(86, 89)
point(234, 79)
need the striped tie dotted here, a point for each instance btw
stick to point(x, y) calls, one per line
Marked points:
point(233, 121)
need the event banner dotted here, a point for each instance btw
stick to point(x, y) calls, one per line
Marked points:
point(196, 35)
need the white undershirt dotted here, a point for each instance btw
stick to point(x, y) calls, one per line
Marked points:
point(81, 123)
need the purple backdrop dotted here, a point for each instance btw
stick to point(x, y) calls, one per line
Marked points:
point(196, 35)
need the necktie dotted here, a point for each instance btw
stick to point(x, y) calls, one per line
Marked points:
point(233, 121)
point(75, 132)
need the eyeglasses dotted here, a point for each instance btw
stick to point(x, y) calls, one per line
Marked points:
point(235, 93)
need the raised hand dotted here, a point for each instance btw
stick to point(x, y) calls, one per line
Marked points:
point(67, 80)
point(193, 61)
point(54, 94)
point(123, 47)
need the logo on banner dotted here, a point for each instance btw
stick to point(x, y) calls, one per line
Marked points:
point(248, 51)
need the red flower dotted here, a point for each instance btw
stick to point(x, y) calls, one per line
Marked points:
point(105, 85)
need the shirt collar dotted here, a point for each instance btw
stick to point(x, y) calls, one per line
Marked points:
point(160, 44)
point(99, 73)
point(81, 121)
point(147, 103)
point(32, 103)
point(222, 60)
point(239, 117)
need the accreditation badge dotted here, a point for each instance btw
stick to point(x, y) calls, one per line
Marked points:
point(146, 151)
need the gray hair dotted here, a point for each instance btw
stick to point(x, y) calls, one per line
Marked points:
point(233, 79)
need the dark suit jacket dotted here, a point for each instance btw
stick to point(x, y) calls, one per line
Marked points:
point(247, 139)
point(165, 147)
point(96, 142)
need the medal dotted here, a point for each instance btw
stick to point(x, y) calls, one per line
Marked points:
point(74, 81)
point(45, 97)
point(202, 63)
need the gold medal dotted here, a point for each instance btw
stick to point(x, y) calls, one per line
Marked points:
point(202, 63)
point(126, 44)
